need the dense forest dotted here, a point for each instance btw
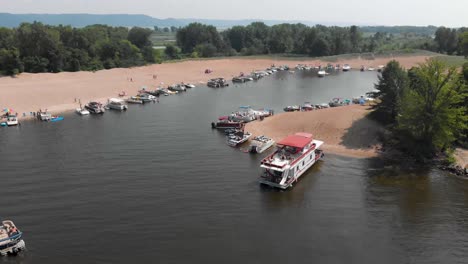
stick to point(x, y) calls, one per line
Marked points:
point(35, 47)
point(41, 48)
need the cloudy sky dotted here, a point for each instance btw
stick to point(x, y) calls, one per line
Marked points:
point(452, 13)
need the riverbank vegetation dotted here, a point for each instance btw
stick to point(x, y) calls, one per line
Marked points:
point(425, 107)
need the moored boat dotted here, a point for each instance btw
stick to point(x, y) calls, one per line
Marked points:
point(81, 111)
point(56, 118)
point(217, 83)
point(294, 155)
point(308, 107)
point(224, 123)
point(117, 104)
point(292, 108)
point(346, 67)
point(95, 108)
point(134, 100)
point(12, 120)
point(260, 143)
point(11, 241)
point(321, 73)
point(43, 116)
point(238, 138)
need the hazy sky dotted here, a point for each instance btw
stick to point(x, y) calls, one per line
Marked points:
point(452, 13)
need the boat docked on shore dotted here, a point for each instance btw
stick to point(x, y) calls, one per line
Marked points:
point(217, 83)
point(225, 123)
point(12, 120)
point(308, 107)
point(43, 116)
point(117, 104)
point(134, 100)
point(292, 108)
point(177, 88)
point(294, 155)
point(321, 73)
point(260, 143)
point(346, 67)
point(81, 111)
point(237, 138)
point(11, 242)
point(56, 118)
point(95, 108)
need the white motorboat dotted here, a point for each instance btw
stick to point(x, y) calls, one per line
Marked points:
point(10, 239)
point(81, 111)
point(117, 104)
point(134, 100)
point(294, 155)
point(12, 120)
point(189, 85)
point(95, 108)
point(346, 67)
point(321, 73)
point(44, 116)
point(260, 144)
point(238, 138)
point(371, 69)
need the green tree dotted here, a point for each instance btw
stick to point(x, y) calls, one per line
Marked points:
point(140, 37)
point(464, 44)
point(172, 52)
point(431, 117)
point(10, 63)
point(391, 86)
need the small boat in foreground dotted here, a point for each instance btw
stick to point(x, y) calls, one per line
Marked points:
point(294, 155)
point(260, 143)
point(10, 239)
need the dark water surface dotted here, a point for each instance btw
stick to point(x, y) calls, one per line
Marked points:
point(156, 185)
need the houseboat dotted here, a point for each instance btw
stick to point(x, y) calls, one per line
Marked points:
point(294, 155)
point(10, 239)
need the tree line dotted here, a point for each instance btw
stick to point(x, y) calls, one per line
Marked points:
point(257, 38)
point(426, 107)
point(42, 48)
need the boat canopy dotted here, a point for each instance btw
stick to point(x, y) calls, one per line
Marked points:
point(299, 140)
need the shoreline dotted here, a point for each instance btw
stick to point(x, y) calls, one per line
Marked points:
point(56, 92)
point(345, 130)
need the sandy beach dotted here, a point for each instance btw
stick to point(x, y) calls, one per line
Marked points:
point(57, 92)
point(345, 130)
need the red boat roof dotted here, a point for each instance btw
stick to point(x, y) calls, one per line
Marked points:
point(299, 140)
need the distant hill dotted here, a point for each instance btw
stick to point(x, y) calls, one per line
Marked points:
point(82, 20)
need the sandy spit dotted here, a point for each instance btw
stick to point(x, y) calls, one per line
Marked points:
point(346, 130)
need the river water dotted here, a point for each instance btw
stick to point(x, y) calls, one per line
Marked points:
point(156, 185)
